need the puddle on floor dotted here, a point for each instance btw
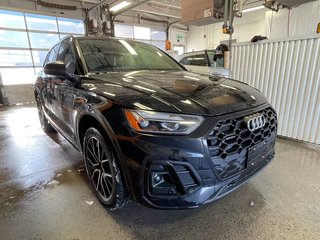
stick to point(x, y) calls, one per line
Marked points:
point(16, 191)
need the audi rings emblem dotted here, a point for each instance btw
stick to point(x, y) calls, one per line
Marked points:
point(255, 122)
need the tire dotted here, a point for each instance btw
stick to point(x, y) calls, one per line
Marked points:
point(103, 171)
point(45, 125)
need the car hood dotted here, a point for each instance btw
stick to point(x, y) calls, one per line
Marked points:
point(174, 91)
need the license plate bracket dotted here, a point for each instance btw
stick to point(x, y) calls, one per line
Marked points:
point(256, 153)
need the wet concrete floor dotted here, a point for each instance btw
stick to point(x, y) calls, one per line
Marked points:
point(44, 194)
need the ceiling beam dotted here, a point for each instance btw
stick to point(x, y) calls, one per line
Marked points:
point(165, 5)
point(157, 13)
point(90, 1)
point(131, 6)
point(97, 5)
point(84, 1)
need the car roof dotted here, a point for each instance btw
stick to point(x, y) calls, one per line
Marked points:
point(72, 37)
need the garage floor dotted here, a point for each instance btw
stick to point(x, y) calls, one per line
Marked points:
point(44, 194)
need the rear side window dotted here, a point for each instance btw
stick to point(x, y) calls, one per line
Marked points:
point(195, 60)
point(199, 60)
point(52, 55)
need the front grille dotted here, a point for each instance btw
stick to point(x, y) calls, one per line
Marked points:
point(230, 139)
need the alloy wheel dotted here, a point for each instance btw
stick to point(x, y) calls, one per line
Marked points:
point(100, 169)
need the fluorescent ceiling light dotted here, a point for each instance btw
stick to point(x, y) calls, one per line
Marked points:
point(252, 9)
point(120, 6)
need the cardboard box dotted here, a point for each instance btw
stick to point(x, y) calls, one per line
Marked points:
point(198, 12)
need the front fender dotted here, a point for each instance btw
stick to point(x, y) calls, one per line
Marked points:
point(92, 111)
point(95, 111)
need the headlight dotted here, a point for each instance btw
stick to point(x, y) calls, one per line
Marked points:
point(156, 122)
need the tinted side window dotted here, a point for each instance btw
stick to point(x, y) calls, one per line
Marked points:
point(185, 61)
point(198, 60)
point(52, 55)
point(66, 55)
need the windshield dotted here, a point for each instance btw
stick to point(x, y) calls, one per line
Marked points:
point(104, 55)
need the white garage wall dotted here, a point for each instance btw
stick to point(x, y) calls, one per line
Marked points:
point(245, 28)
point(288, 73)
point(251, 24)
point(297, 22)
point(195, 39)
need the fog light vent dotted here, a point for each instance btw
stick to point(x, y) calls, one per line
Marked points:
point(157, 179)
point(161, 181)
point(186, 177)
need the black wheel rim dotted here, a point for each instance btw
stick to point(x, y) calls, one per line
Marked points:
point(100, 169)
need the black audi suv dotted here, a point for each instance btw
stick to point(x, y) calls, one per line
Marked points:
point(150, 130)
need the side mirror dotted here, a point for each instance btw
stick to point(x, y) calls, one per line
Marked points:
point(57, 68)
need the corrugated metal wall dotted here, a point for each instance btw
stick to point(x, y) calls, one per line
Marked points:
point(288, 73)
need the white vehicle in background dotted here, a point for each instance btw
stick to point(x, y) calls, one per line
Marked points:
point(209, 62)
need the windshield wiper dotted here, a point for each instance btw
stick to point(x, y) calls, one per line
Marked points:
point(107, 70)
point(103, 68)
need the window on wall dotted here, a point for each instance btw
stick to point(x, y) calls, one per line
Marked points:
point(151, 36)
point(74, 26)
point(41, 22)
point(11, 19)
point(15, 39)
point(158, 35)
point(25, 39)
point(124, 31)
point(142, 33)
point(15, 58)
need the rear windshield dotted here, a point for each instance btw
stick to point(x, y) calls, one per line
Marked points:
point(104, 55)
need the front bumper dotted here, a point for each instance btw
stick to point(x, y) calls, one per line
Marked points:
point(204, 194)
point(189, 175)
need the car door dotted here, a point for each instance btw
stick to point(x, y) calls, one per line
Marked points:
point(47, 90)
point(64, 88)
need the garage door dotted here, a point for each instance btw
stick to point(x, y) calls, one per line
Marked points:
point(24, 40)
